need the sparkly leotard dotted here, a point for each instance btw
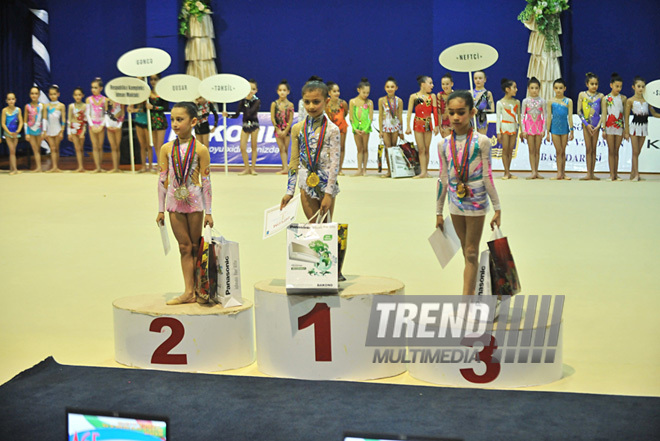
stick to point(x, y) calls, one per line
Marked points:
point(614, 119)
point(559, 124)
point(158, 120)
point(480, 181)
point(339, 117)
point(363, 122)
point(199, 190)
point(327, 167)
point(11, 122)
point(78, 121)
point(482, 104)
point(391, 122)
point(34, 123)
point(640, 122)
point(204, 110)
point(114, 117)
point(424, 109)
point(442, 103)
point(590, 111)
point(283, 116)
point(250, 110)
point(54, 119)
point(507, 117)
point(96, 111)
point(533, 116)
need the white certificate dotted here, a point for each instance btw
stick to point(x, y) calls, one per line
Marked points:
point(276, 220)
point(445, 243)
point(165, 238)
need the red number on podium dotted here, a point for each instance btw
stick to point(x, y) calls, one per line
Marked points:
point(162, 353)
point(486, 356)
point(319, 316)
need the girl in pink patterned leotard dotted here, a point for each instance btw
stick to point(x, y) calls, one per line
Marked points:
point(184, 191)
point(534, 110)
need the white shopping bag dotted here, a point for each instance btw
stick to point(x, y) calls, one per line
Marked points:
point(228, 270)
point(399, 166)
point(445, 243)
point(483, 287)
point(311, 261)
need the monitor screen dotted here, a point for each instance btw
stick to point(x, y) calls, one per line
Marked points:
point(84, 425)
point(352, 436)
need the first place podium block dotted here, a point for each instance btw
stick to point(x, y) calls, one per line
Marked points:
point(188, 338)
point(320, 337)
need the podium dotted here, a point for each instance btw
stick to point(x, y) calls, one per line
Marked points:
point(188, 337)
point(524, 348)
point(320, 337)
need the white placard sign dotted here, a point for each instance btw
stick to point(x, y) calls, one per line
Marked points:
point(127, 90)
point(468, 57)
point(179, 87)
point(224, 88)
point(652, 93)
point(143, 62)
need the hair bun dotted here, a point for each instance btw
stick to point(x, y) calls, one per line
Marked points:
point(504, 81)
point(364, 80)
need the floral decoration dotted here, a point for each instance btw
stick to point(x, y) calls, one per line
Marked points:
point(192, 9)
point(545, 14)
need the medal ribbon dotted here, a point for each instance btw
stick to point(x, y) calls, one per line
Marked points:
point(182, 169)
point(311, 166)
point(392, 109)
point(462, 170)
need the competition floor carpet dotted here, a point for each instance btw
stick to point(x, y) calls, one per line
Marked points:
point(213, 407)
point(73, 243)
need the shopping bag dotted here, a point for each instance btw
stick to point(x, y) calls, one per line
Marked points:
point(503, 273)
point(342, 237)
point(311, 260)
point(380, 157)
point(412, 156)
point(399, 166)
point(227, 270)
point(483, 286)
point(204, 268)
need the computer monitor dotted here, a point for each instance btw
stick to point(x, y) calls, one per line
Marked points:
point(355, 436)
point(83, 425)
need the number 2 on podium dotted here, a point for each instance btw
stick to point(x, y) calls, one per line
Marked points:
point(319, 316)
point(162, 353)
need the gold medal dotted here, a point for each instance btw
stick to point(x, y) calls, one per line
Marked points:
point(313, 180)
point(461, 190)
point(181, 193)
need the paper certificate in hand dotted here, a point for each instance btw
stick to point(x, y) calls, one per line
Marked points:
point(445, 244)
point(276, 220)
point(164, 237)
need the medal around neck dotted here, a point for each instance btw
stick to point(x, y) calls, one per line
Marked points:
point(308, 129)
point(182, 167)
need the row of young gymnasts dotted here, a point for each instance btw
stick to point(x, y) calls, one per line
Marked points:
point(533, 120)
point(49, 122)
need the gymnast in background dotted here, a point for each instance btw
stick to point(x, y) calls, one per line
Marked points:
point(591, 112)
point(249, 107)
point(534, 111)
point(508, 123)
point(12, 124)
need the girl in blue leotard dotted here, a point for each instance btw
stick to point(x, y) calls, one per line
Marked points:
point(12, 123)
point(560, 125)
